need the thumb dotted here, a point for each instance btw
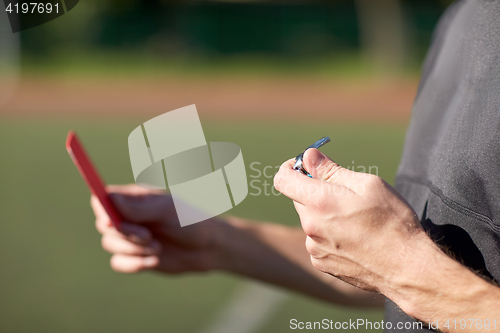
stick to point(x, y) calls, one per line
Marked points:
point(322, 167)
point(144, 208)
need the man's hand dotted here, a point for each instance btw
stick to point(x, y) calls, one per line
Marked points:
point(362, 231)
point(358, 228)
point(151, 236)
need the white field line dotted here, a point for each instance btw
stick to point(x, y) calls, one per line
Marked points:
point(250, 307)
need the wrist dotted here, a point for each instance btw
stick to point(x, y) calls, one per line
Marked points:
point(432, 285)
point(225, 243)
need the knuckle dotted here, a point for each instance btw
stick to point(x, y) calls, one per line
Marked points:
point(114, 262)
point(101, 225)
point(116, 265)
point(309, 228)
point(277, 181)
point(320, 203)
point(316, 263)
point(373, 181)
point(98, 226)
point(106, 244)
point(310, 246)
point(331, 171)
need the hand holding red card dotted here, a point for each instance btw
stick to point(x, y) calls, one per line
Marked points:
point(92, 178)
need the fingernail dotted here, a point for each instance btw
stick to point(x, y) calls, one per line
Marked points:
point(150, 261)
point(317, 159)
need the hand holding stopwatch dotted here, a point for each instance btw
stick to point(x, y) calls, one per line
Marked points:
point(299, 166)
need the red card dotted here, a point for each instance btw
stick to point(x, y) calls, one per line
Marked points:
point(92, 178)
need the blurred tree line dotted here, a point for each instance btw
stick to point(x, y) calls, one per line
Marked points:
point(388, 31)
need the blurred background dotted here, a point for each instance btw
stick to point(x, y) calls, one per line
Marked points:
point(270, 76)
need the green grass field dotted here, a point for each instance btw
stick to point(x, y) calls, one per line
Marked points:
point(54, 277)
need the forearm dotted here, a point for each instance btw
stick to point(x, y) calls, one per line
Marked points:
point(435, 288)
point(277, 254)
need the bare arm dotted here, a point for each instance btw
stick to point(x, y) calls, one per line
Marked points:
point(435, 288)
point(151, 239)
point(361, 230)
point(277, 254)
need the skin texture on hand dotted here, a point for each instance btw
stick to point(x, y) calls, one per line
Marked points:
point(354, 222)
point(356, 227)
point(362, 231)
point(151, 237)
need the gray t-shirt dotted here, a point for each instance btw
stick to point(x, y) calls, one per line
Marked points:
point(450, 169)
